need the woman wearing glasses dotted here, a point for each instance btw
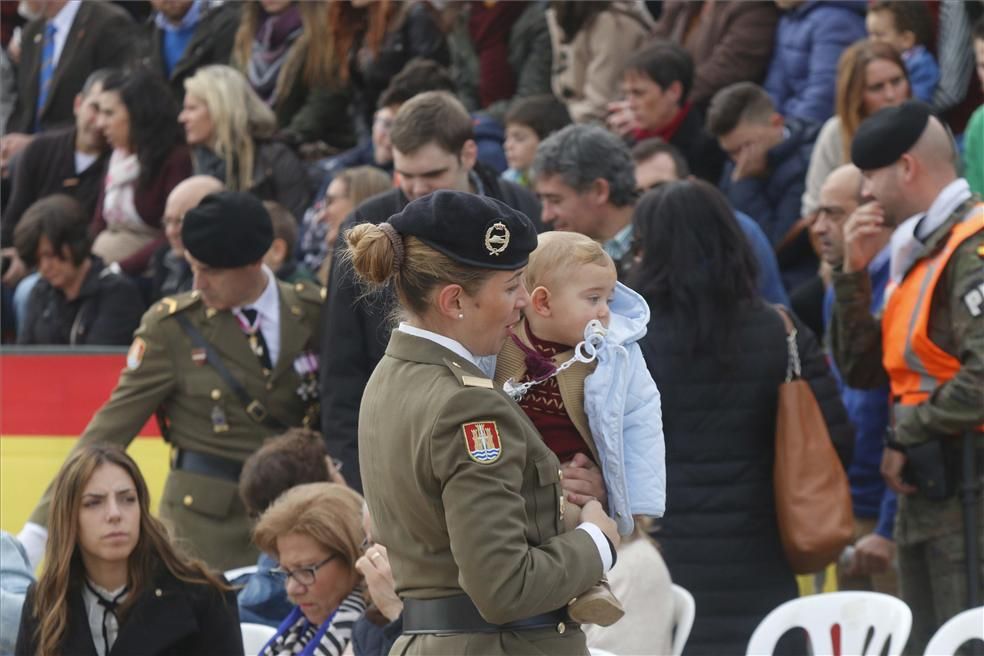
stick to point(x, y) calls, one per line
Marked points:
point(112, 581)
point(315, 532)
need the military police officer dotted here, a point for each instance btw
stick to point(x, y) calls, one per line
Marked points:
point(461, 488)
point(928, 345)
point(224, 367)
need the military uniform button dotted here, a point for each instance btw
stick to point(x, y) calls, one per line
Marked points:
point(269, 386)
point(299, 287)
point(561, 628)
point(216, 394)
point(296, 311)
point(188, 500)
point(210, 312)
point(158, 593)
point(195, 294)
point(560, 473)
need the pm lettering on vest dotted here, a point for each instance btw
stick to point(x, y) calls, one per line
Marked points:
point(974, 299)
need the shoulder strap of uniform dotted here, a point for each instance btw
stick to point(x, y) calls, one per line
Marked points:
point(256, 411)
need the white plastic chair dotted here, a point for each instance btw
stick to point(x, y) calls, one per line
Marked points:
point(255, 636)
point(684, 609)
point(957, 630)
point(854, 612)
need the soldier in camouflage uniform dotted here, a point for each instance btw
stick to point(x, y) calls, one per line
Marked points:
point(211, 429)
point(928, 343)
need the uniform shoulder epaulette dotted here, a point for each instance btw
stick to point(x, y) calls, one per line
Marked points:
point(173, 304)
point(309, 291)
point(466, 379)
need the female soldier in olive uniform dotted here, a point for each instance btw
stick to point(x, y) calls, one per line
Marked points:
point(462, 490)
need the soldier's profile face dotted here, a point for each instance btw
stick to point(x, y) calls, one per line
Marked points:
point(223, 289)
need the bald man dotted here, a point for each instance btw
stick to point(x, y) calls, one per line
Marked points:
point(171, 273)
point(871, 566)
point(928, 346)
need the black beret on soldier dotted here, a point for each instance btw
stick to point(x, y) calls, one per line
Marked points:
point(886, 135)
point(228, 229)
point(475, 230)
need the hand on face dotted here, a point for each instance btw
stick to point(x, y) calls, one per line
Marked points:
point(621, 119)
point(751, 161)
point(865, 233)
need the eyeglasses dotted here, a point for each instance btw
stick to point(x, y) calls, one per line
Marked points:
point(304, 575)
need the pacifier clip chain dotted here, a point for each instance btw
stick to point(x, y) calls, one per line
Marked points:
point(586, 351)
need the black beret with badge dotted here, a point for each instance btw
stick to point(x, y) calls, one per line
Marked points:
point(475, 230)
point(886, 135)
point(228, 229)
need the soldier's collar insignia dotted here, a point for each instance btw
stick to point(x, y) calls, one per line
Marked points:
point(482, 441)
point(497, 238)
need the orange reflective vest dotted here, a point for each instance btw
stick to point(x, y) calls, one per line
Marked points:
point(915, 365)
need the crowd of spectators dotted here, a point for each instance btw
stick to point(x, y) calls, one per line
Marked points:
point(120, 117)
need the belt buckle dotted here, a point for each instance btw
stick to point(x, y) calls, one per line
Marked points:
point(256, 411)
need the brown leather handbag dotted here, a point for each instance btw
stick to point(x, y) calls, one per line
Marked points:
point(813, 498)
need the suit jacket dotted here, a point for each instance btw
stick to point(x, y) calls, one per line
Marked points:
point(100, 37)
point(170, 617)
point(211, 43)
point(204, 415)
point(467, 497)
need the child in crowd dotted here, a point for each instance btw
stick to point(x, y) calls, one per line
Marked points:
point(907, 27)
point(280, 256)
point(608, 409)
point(528, 122)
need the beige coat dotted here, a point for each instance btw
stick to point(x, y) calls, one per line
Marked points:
point(453, 524)
point(587, 71)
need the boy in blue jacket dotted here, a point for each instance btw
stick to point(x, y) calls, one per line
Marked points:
point(578, 371)
point(907, 27)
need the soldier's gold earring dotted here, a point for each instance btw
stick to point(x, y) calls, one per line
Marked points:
point(461, 315)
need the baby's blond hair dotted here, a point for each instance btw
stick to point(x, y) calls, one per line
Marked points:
point(557, 253)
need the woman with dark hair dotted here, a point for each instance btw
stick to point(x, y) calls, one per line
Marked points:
point(287, 52)
point(138, 115)
point(112, 582)
point(79, 300)
point(718, 354)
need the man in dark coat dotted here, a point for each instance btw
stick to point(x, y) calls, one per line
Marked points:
point(80, 37)
point(185, 35)
point(767, 173)
point(433, 148)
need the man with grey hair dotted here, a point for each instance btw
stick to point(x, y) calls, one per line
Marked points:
point(585, 179)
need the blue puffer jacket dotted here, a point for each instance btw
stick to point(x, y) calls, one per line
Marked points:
point(623, 409)
point(809, 41)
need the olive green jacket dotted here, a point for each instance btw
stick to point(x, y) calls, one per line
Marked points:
point(452, 524)
point(163, 370)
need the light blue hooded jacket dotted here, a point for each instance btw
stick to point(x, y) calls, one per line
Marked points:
point(623, 409)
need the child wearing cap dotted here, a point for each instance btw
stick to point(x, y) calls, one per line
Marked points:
point(907, 27)
point(607, 409)
point(528, 122)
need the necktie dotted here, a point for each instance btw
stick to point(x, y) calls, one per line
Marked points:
point(47, 70)
point(255, 335)
point(109, 606)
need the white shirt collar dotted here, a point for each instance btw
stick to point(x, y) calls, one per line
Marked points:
point(268, 304)
point(63, 24)
point(450, 344)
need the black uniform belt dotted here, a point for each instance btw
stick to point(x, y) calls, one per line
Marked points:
point(206, 464)
point(458, 614)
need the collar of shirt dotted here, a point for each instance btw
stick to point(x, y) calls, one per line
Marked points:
point(907, 240)
point(619, 245)
point(267, 307)
point(454, 346)
point(63, 25)
point(189, 21)
point(95, 613)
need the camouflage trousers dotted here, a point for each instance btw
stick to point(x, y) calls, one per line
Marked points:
point(932, 561)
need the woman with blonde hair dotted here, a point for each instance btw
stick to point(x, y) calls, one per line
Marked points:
point(230, 131)
point(870, 77)
point(314, 531)
point(113, 583)
point(288, 54)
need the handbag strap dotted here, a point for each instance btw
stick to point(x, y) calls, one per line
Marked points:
point(793, 369)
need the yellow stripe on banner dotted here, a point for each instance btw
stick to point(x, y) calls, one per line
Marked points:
point(29, 462)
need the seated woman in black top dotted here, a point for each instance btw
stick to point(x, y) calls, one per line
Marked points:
point(112, 581)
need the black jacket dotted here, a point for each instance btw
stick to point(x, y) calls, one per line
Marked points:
point(106, 312)
point(704, 157)
point(357, 328)
point(210, 43)
point(171, 618)
point(101, 36)
point(45, 167)
point(719, 534)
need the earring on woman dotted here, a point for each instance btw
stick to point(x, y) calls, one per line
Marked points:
point(461, 315)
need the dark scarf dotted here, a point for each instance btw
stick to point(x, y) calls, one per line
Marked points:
point(271, 46)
